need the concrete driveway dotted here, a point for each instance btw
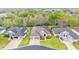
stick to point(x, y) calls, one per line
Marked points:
point(70, 46)
point(14, 43)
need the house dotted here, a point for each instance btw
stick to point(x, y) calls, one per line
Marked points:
point(39, 31)
point(16, 32)
point(65, 33)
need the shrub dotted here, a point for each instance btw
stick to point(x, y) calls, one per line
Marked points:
point(74, 42)
point(42, 38)
point(48, 37)
point(78, 42)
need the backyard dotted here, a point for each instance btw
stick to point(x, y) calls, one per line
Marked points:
point(3, 41)
point(26, 40)
point(54, 42)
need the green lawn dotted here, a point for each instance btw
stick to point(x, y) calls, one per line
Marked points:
point(26, 40)
point(54, 43)
point(76, 45)
point(3, 41)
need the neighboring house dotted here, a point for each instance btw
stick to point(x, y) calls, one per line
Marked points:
point(16, 32)
point(39, 31)
point(76, 29)
point(63, 32)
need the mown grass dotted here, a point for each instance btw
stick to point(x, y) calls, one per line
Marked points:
point(54, 42)
point(3, 41)
point(26, 40)
point(76, 45)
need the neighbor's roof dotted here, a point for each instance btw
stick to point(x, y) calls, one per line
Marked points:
point(16, 29)
point(58, 30)
point(19, 31)
point(77, 29)
point(71, 33)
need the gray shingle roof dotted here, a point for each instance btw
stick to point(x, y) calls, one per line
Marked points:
point(77, 29)
point(36, 30)
point(58, 30)
point(71, 33)
point(16, 31)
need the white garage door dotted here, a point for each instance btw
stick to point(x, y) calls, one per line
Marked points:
point(35, 40)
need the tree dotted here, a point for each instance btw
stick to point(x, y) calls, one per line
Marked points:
point(52, 18)
point(7, 22)
point(74, 42)
point(78, 42)
point(73, 22)
point(1, 22)
point(18, 21)
point(61, 15)
point(56, 16)
point(23, 13)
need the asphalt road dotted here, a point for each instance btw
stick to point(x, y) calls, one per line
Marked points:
point(35, 47)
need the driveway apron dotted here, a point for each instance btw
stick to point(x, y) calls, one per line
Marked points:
point(70, 46)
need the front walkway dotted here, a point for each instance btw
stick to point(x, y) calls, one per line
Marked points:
point(13, 44)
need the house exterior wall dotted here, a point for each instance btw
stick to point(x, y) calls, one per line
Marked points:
point(34, 37)
point(19, 37)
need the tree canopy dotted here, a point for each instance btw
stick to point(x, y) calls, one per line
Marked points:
point(37, 17)
point(73, 22)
